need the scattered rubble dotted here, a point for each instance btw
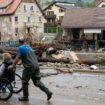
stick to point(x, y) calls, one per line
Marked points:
point(64, 61)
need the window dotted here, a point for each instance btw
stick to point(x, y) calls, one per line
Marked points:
point(10, 19)
point(16, 18)
point(25, 8)
point(16, 30)
point(2, 10)
point(28, 19)
point(50, 13)
point(103, 5)
point(32, 8)
point(40, 19)
point(25, 19)
point(61, 10)
point(60, 18)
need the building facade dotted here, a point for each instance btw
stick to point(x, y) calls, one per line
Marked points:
point(85, 26)
point(100, 3)
point(54, 13)
point(21, 18)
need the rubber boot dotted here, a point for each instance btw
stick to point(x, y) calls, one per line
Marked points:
point(25, 93)
point(44, 89)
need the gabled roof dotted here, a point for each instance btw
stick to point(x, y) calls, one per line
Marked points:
point(11, 6)
point(84, 18)
point(98, 2)
point(65, 6)
point(55, 3)
point(69, 1)
point(5, 3)
point(39, 7)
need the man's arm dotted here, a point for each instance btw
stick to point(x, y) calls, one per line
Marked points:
point(16, 60)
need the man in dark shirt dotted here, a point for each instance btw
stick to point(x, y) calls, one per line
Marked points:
point(31, 69)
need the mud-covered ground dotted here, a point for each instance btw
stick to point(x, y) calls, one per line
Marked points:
point(68, 89)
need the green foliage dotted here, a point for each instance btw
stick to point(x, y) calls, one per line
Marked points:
point(47, 2)
point(88, 3)
point(52, 29)
point(50, 25)
point(85, 3)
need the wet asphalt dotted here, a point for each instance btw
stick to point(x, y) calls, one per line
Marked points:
point(68, 89)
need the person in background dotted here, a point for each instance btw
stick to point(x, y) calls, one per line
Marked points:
point(31, 70)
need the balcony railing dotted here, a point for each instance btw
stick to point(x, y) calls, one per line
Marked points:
point(50, 16)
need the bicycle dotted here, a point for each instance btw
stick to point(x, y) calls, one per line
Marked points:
point(7, 88)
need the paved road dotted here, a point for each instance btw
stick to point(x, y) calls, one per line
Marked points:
point(68, 89)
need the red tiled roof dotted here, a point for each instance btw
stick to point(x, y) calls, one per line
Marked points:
point(5, 3)
point(10, 6)
point(84, 18)
point(1, 1)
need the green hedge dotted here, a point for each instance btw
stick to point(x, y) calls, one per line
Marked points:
point(50, 25)
point(52, 30)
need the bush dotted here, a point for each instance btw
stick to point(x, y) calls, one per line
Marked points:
point(50, 25)
point(52, 30)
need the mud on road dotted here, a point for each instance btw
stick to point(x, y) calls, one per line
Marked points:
point(68, 89)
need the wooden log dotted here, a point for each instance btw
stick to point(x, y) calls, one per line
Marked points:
point(64, 70)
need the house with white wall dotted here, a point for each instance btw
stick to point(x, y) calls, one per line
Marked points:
point(100, 3)
point(55, 12)
point(20, 18)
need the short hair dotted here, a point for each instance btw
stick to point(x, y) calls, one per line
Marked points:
point(6, 56)
point(21, 40)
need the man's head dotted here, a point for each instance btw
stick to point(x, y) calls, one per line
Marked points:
point(21, 40)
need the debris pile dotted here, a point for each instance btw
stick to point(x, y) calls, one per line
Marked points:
point(65, 61)
point(69, 68)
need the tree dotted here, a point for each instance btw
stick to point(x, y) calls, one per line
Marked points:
point(79, 3)
point(85, 3)
point(88, 3)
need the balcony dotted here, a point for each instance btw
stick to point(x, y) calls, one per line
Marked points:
point(50, 16)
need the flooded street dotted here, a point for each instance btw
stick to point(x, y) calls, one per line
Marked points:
point(68, 89)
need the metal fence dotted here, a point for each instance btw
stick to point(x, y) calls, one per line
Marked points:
point(9, 43)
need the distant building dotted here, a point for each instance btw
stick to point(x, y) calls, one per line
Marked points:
point(54, 12)
point(100, 3)
point(85, 22)
point(20, 18)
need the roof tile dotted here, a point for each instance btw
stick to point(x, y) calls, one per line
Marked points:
point(84, 18)
point(10, 6)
